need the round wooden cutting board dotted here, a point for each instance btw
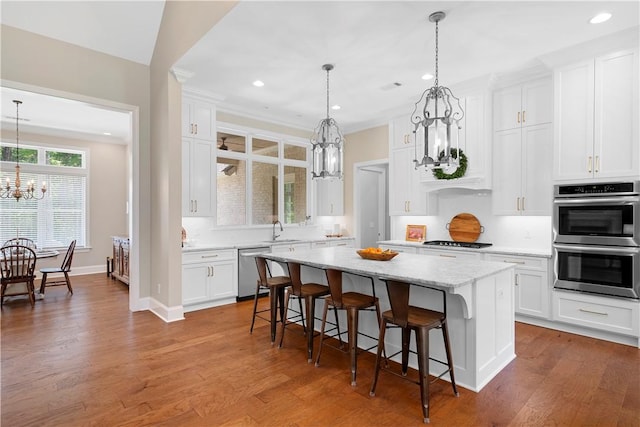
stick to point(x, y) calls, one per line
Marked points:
point(465, 227)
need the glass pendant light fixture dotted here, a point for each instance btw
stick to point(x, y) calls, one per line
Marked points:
point(436, 119)
point(327, 143)
point(7, 192)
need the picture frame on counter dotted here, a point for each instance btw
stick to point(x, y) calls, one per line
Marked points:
point(416, 233)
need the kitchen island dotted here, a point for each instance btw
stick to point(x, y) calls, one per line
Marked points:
point(480, 310)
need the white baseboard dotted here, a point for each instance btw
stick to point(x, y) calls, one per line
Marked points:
point(168, 314)
point(77, 271)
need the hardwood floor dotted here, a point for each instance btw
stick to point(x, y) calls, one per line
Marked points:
point(86, 360)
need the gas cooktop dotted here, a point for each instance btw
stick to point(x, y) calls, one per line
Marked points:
point(474, 245)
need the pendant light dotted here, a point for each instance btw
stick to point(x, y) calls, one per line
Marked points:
point(327, 143)
point(7, 192)
point(436, 119)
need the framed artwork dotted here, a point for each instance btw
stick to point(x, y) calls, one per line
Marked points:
point(416, 233)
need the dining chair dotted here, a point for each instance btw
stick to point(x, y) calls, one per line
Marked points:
point(65, 268)
point(17, 268)
point(21, 241)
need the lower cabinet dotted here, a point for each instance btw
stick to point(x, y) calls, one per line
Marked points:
point(349, 243)
point(209, 278)
point(399, 248)
point(443, 253)
point(531, 284)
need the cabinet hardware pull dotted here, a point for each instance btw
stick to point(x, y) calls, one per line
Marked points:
point(516, 280)
point(597, 164)
point(523, 116)
point(208, 256)
point(341, 244)
point(518, 119)
point(196, 205)
point(589, 165)
point(592, 312)
point(523, 204)
point(331, 208)
point(518, 203)
point(213, 271)
point(447, 256)
point(191, 128)
point(196, 128)
point(514, 262)
point(409, 206)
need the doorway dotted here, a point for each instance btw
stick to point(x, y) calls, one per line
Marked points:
point(371, 203)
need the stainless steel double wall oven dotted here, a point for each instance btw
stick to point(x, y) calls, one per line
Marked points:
point(596, 235)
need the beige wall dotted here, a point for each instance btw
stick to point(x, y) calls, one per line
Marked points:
point(364, 146)
point(39, 62)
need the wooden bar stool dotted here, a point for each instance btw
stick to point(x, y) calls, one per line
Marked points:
point(276, 286)
point(420, 320)
point(352, 303)
point(309, 292)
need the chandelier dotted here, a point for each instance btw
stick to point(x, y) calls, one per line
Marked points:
point(327, 142)
point(436, 119)
point(17, 193)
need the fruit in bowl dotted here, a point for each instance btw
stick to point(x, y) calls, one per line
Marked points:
point(377, 254)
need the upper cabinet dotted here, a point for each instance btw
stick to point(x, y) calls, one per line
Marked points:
point(198, 119)
point(596, 119)
point(522, 149)
point(527, 104)
point(329, 197)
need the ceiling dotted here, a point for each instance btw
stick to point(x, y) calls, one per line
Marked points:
point(380, 49)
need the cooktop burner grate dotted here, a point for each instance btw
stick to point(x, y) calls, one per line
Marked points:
point(474, 245)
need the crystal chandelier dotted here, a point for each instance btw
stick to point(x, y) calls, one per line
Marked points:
point(436, 119)
point(327, 142)
point(17, 193)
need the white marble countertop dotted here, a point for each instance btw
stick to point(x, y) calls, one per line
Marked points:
point(414, 268)
point(257, 244)
point(495, 249)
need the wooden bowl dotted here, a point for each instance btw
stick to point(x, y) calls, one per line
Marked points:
point(383, 256)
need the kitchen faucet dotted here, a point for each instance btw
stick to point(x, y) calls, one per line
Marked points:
point(275, 236)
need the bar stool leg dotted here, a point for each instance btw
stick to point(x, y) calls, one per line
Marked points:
point(422, 344)
point(406, 342)
point(324, 322)
point(255, 306)
point(383, 330)
point(286, 311)
point(352, 326)
point(310, 305)
point(274, 295)
point(447, 347)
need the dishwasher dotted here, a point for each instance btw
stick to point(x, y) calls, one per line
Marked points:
point(248, 272)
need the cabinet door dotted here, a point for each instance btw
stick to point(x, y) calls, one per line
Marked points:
point(473, 141)
point(537, 185)
point(507, 172)
point(616, 147)
point(507, 105)
point(330, 197)
point(537, 102)
point(450, 254)
point(187, 124)
point(407, 196)
point(532, 293)
point(201, 177)
point(203, 117)
point(573, 121)
point(195, 283)
point(223, 283)
point(401, 132)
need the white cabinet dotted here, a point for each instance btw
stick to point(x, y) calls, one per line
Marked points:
point(329, 197)
point(527, 104)
point(443, 253)
point(198, 119)
point(399, 248)
point(198, 177)
point(209, 278)
point(522, 160)
point(523, 149)
point(596, 118)
point(276, 268)
point(531, 284)
point(620, 316)
point(349, 243)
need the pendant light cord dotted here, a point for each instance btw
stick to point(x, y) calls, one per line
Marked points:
point(436, 81)
point(328, 93)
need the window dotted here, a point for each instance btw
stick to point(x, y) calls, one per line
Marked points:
point(261, 184)
point(61, 216)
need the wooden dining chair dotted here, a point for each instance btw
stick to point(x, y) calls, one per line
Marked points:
point(17, 268)
point(65, 268)
point(21, 241)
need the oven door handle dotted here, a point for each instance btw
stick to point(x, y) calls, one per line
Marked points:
point(616, 201)
point(622, 250)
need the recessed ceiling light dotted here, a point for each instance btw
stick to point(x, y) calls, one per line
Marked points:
point(258, 83)
point(335, 107)
point(427, 76)
point(600, 18)
point(106, 133)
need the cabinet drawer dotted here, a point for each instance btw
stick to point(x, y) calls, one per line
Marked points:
point(450, 254)
point(399, 248)
point(208, 256)
point(608, 314)
point(522, 262)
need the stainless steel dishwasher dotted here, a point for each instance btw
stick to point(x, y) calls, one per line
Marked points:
point(248, 272)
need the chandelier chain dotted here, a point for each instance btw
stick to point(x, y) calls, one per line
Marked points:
point(328, 93)
point(436, 80)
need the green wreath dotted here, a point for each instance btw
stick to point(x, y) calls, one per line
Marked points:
point(459, 172)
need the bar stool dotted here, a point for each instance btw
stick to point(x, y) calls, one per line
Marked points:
point(352, 303)
point(276, 286)
point(309, 292)
point(420, 320)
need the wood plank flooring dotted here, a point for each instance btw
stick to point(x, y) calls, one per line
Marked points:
point(86, 360)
